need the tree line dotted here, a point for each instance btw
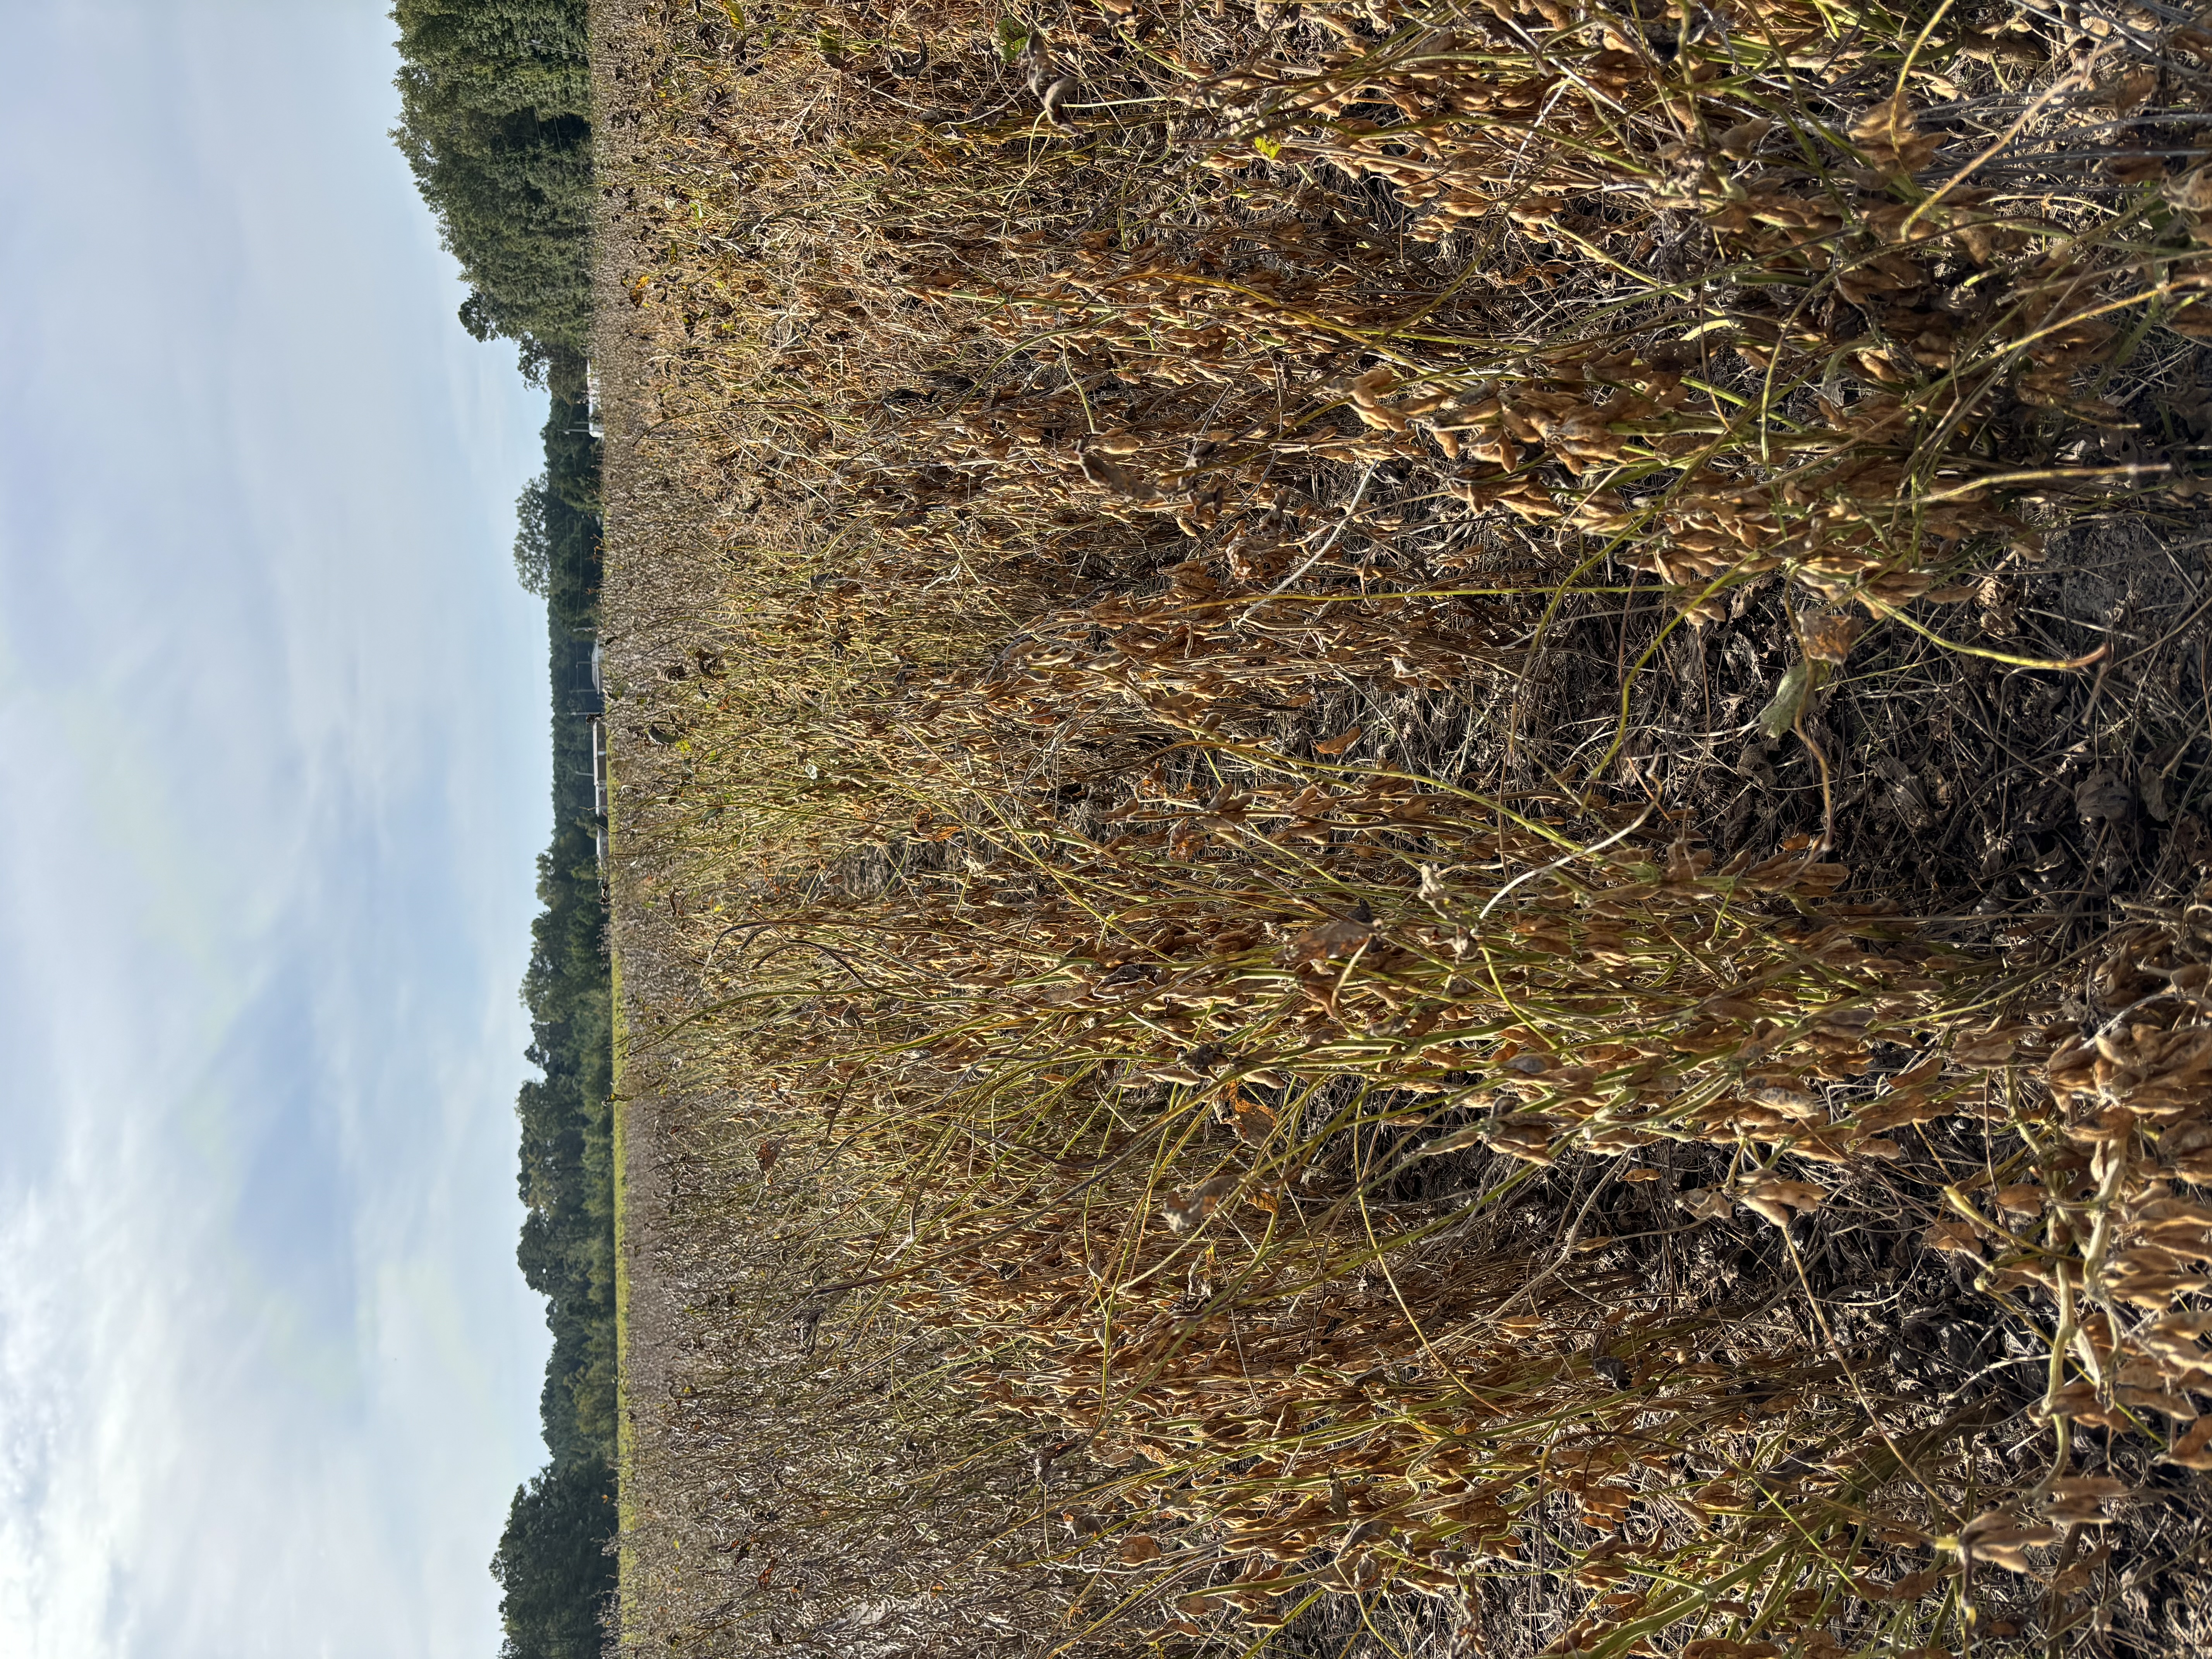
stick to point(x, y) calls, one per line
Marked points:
point(551, 1562)
point(496, 123)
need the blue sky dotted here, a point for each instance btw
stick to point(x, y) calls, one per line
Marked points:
point(272, 711)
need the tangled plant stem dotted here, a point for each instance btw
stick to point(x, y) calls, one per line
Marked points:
point(1240, 1092)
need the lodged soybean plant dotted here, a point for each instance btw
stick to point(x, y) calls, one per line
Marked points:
point(1318, 1137)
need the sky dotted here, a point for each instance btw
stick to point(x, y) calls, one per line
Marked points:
point(273, 775)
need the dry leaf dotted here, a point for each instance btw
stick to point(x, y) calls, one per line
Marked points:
point(2192, 1447)
point(1054, 98)
point(1253, 1121)
point(1741, 140)
point(1829, 635)
point(1331, 939)
point(2101, 795)
point(2191, 193)
point(1955, 1236)
point(1184, 1213)
point(1706, 1204)
point(1109, 474)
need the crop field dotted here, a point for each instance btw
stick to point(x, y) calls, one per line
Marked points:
point(1410, 838)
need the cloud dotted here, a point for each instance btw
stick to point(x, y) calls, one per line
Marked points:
point(267, 1372)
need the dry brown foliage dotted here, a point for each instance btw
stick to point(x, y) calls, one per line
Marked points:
point(1331, 1150)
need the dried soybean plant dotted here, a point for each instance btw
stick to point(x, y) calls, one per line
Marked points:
point(1423, 290)
point(1143, 1125)
point(1092, 397)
